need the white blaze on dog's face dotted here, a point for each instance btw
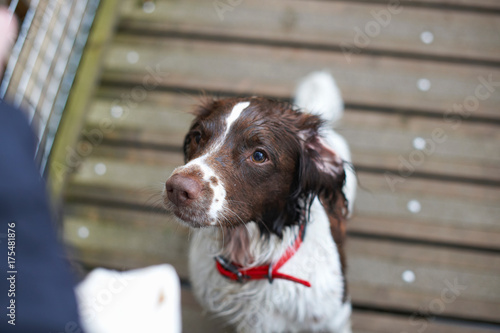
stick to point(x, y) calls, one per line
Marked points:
point(215, 200)
point(243, 159)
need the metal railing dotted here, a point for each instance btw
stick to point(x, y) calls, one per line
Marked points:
point(44, 61)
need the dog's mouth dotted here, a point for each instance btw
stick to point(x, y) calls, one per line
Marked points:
point(193, 217)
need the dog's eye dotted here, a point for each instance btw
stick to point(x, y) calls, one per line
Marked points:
point(259, 156)
point(197, 137)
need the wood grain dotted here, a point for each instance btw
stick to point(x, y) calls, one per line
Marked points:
point(449, 212)
point(377, 140)
point(375, 266)
point(373, 322)
point(463, 35)
point(442, 4)
point(262, 70)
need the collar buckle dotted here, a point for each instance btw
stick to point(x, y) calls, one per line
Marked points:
point(270, 273)
point(228, 266)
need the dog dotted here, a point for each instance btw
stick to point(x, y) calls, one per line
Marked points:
point(267, 188)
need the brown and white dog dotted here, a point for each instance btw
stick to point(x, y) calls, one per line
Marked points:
point(267, 190)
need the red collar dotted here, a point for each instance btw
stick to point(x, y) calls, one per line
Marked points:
point(237, 273)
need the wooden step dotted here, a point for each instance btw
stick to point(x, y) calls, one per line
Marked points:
point(116, 237)
point(248, 69)
point(447, 212)
point(373, 322)
point(193, 321)
point(446, 4)
point(377, 140)
point(352, 27)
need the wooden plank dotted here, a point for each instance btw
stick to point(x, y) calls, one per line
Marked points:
point(463, 4)
point(161, 119)
point(371, 322)
point(377, 140)
point(125, 239)
point(139, 173)
point(264, 70)
point(375, 266)
point(376, 269)
point(461, 214)
point(194, 320)
point(390, 141)
point(449, 212)
point(465, 35)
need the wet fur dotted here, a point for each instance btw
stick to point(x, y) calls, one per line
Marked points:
point(303, 183)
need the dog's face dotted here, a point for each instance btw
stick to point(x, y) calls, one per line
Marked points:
point(247, 160)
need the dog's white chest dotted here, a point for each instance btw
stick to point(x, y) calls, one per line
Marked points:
point(261, 306)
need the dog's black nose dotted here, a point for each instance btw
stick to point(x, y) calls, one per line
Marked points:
point(181, 190)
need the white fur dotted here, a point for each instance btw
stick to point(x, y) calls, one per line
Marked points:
point(235, 114)
point(260, 306)
point(284, 306)
point(219, 199)
point(318, 93)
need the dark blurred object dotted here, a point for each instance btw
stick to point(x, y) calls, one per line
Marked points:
point(42, 287)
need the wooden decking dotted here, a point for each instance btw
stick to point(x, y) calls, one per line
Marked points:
point(421, 119)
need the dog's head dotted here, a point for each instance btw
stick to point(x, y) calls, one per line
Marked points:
point(253, 159)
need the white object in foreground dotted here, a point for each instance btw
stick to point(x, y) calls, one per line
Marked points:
point(141, 300)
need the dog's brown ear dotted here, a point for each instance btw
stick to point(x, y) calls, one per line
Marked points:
point(324, 158)
point(326, 180)
point(204, 107)
point(322, 173)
